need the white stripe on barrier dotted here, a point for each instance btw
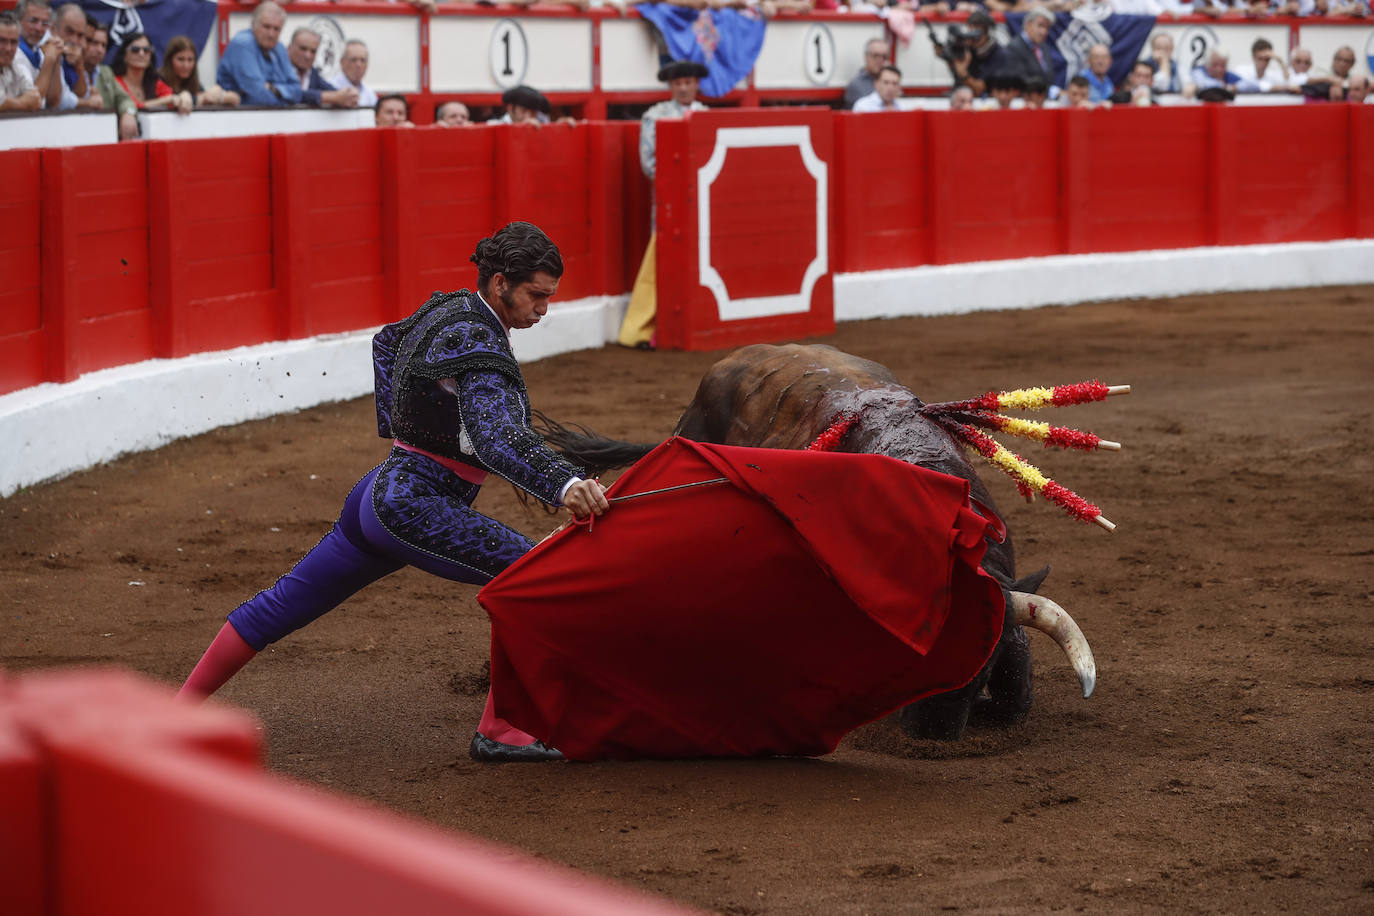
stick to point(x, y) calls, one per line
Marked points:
point(53, 430)
point(1068, 279)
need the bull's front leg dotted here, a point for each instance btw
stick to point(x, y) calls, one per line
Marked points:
point(1010, 693)
point(944, 716)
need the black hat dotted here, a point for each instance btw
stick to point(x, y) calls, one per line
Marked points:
point(1216, 94)
point(979, 19)
point(526, 97)
point(680, 68)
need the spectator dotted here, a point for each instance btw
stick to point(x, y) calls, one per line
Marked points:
point(1341, 63)
point(683, 77)
point(1358, 90)
point(1138, 88)
point(1167, 79)
point(135, 70)
point(1299, 68)
point(393, 111)
point(17, 92)
point(1036, 93)
point(961, 99)
point(315, 91)
point(1027, 55)
point(1005, 89)
point(1213, 82)
point(255, 65)
point(452, 114)
point(981, 55)
point(71, 29)
point(1214, 8)
point(96, 44)
point(111, 95)
point(1265, 72)
point(353, 67)
point(1078, 93)
point(40, 52)
point(876, 53)
point(1098, 73)
point(524, 105)
point(179, 72)
point(886, 88)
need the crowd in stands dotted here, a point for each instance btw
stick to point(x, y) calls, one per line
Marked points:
point(989, 75)
point(56, 58)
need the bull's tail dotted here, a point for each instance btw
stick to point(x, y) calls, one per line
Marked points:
point(584, 447)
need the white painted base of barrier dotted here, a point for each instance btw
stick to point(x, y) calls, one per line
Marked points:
point(1067, 279)
point(246, 122)
point(52, 430)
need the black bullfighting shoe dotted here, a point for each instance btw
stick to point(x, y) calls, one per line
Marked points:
point(485, 750)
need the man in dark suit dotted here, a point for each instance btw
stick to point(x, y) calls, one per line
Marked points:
point(305, 43)
point(1027, 55)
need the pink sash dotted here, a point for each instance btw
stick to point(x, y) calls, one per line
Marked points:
point(465, 471)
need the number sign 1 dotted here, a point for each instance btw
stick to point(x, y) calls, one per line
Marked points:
point(818, 54)
point(509, 54)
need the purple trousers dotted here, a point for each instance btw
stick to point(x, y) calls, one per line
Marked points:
point(407, 511)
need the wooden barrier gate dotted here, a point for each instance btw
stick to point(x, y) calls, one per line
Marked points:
point(119, 799)
point(169, 248)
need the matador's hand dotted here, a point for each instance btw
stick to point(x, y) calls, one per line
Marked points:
point(586, 497)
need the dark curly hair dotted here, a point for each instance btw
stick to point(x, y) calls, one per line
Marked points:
point(518, 251)
point(120, 65)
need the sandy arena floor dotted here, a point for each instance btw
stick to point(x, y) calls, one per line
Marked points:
point(1224, 764)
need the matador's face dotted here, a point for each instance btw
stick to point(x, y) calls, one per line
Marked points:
point(522, 305)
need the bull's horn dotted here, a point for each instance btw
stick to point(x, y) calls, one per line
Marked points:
point(1048, 617)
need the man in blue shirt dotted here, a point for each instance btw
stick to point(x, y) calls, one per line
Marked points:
point(1214, 82)
point(1098, 74)
point(255, 63)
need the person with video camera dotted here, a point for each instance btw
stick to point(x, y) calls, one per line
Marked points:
point(971, 51)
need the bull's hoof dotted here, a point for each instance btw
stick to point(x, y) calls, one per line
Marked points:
point(935, 718)
point(485, 750)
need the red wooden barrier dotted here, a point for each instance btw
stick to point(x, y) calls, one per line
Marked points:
point(542, 177)
point(1269, 190)
point(95, 258)
point(882, 209)
point(210, 229)
point(635, 203)
point(996, 185)
point(439, 199)
point(164, 249)
point(745, 215)
point(23, 877)
point(1136, 179)
point(120, 800)
point(1361, 223)
point(22, 360)
point(327, 191)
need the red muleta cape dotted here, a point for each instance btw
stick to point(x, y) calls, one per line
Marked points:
point(812, 593)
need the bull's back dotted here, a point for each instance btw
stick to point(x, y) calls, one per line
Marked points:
point(779, 396)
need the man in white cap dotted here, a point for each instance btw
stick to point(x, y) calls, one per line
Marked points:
point(684, 81)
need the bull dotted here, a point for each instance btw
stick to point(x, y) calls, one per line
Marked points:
point(786, 397)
